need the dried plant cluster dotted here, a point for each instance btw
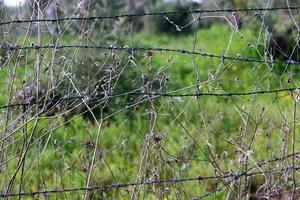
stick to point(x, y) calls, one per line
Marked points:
point(96, 105)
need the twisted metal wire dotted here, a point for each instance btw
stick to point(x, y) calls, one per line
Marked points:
point(129, 15)
point(235, 176)
point(158, 49)
point(154, 94)
point(169, 95)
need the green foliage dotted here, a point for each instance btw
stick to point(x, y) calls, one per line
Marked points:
point(180, 67)
point(191, 128)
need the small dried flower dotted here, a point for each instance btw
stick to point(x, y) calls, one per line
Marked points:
point(285, 128)
point(149, 54)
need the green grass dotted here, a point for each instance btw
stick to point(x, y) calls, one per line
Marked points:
point(190, 128)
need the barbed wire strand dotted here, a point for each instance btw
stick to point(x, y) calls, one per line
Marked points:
point(127, 185)
point(154, 94)
point(233, 175)
point(129, 15)
point(158, 49)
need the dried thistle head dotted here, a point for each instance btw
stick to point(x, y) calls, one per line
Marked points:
point(286, 128)
point(158, 137)
point(149, 54)
point(25, 95)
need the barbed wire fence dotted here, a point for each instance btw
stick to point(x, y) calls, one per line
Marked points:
point(67, 110)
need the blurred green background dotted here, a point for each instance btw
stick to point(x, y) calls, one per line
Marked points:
point(151, 139)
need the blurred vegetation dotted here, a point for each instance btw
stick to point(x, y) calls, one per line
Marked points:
point(209, 126)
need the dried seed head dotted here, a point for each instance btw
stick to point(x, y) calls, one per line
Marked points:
point(131, 57)
point(285, 128)
point(144, 76)
point(166, 78)
point(149, 54)
point(85, 169)
point(25, 95)
point(157, 137)
point(87, 143)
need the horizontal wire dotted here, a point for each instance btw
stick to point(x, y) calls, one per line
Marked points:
point(126, 185)
point(275, 159)
point(173, 180)
point(128, 15)
point(257, 165)
point(153, 94)
point(158, 49)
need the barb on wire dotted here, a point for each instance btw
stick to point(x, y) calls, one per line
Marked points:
point(275, 159)
point(133, 49)
point(171, 180)
point(154, 94)
point(150, 14)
